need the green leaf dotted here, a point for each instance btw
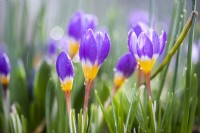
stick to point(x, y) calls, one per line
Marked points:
point(80, 119)
point(73, 121)
point(114, 115)
point(184, 125)
point(24, 124)
point(50, 90)
point(131, 114)
point(85, 121)
point(106, 116)
point(193, 104)
point(18, 88)
point(151, 116)
point(40, 85)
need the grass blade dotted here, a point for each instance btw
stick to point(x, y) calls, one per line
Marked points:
point(106, 116)
point(193, 104)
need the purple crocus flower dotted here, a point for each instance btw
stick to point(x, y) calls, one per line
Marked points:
point(124, 68)
point(146, 47)
point(4, 69)
point(78, 24)
point(65, 70)
point(94, 49)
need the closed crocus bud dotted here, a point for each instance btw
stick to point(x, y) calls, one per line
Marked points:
point(94, 49)
point(78, 24)
point(124, 68)
point(4, 69)
point(65, 71)
point(146, 47)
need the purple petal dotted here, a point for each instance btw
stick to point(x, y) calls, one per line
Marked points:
point(64, 66)
point(4, 64)
point(156, 42)
point(140, 27)
point(132, 42)
point(90, 22)
point(126, 65)
point(144, 47)
point(75, 25)
point(163, 39)
point(79, 23)
point(103, 45)
point(88, 47)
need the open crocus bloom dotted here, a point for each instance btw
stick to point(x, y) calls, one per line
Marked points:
point(78, 24)
point(124, 68)
point(65, 71)
point(146, 46)
point(4, 69)
point(94, 49)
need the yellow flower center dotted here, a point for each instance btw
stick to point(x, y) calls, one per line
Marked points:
point(67, 86)
point(119, 80)
point(90, 72)
point(146, 65)
point(4, 79)
point(73, 48)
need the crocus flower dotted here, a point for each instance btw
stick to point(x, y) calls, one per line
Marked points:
point(78, 24)
point(65, 71)
point(146, 47)
point(94, 49)
point(124, 68)
point(4, 69)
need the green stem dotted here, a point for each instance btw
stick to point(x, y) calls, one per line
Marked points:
point(177, 44)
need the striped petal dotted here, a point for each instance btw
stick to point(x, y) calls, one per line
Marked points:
point(139, 28)
point(132, 43)
point(144, 47)
point(163, 39)
point(103, 46)
point(88, 48)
